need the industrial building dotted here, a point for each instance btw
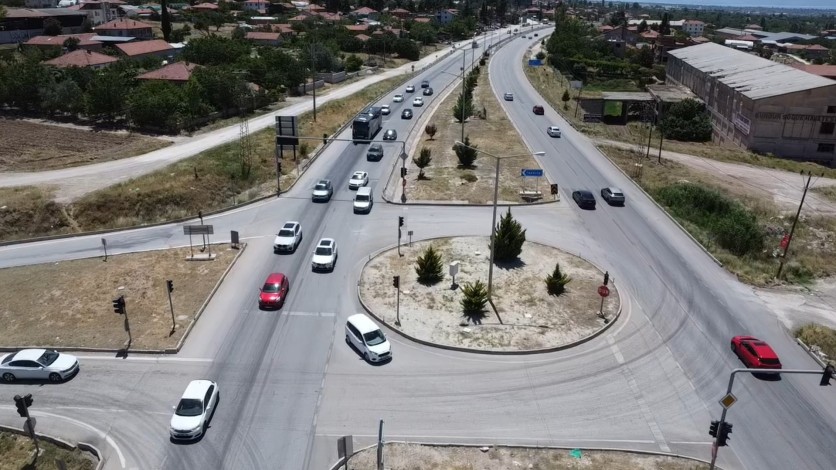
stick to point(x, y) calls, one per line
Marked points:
point(760, 105)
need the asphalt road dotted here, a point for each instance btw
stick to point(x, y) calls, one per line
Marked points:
point(290, 386)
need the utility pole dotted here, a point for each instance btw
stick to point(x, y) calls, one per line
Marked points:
point(396, 282)
point(464, 97)
point(794, 222)
point(170, 288)
point(313, 84)
point(400, 224)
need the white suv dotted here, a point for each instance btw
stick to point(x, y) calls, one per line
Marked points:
point(195, 410)
point(288, 238)
point(364, 335)
point(324, 255)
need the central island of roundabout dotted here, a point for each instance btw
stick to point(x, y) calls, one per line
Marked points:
point(527, 317)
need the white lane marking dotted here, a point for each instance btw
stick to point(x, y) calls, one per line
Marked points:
point(694, 443)
point(94, 429)
point(145, 359)
point(391, 437)
point(108, 410)
point(614, 348)
point(311, 314)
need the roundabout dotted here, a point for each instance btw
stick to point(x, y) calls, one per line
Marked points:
point(527, 318)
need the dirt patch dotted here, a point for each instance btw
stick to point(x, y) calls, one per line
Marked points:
point(494, 133)
point(68, 304)
point(16, 452)
point(531, 319)
point(29, 146)
point(425, 457)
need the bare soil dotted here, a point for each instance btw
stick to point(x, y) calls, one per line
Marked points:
point(17, 451)
point(426, 457)
point(531, 318)
point(68, 304)
point(494, 133)
point(30, 146)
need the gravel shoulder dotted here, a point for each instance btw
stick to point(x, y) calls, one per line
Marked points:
point(531, 319)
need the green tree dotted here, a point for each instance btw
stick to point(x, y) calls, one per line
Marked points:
point(71, 43)
point(156, 104)
point(221, 87)
point(474, 298)
point(239, 33)
point(422, 161)
point(20, 81)
point(556, 281)
point(165, 20)
point(565, 98)
point(52, 27)
point(466, 153)
point(353, 63)
point(429, 267)
point(215, 50)
point(431, 130)
point(63, 96)
point(106, 95)
point(686, 121)
point(179, 35)
point(463, 107)
point(509, 239)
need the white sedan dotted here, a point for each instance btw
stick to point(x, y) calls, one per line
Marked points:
point(384, 110)
point(418, 101)
point(553, 131)
point(37, 364)
point(359, 178)
point(398, 98)
point(195, 410)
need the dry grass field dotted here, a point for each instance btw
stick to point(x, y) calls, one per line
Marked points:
point(16, 453)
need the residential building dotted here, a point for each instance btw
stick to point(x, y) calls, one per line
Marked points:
point(205, 7)
point(178, 73)
point(357, 28)
point(256, 5)
point(400, 13)
point(264, 39)
point(83, 59)
point(21, 24)
point(152, 48)
point(126, 28)
point(826, 71)
point(85, 41)
point(98, 12)
point(693, 28)
point(446, 16)
point(365, 13)
point(759, 104)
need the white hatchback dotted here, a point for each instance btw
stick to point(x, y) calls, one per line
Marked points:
point(418, 101)
point(398, 98)
point(384, 110)
point(553, 131)
point(195, 410)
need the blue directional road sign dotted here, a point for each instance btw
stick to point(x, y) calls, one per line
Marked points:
point(531, 172)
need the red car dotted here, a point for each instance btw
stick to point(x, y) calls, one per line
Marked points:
point(755, 353)
point(539, 110)
point(274, 291)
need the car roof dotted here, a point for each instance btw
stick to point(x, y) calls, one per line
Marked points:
point(197, 389)
point(614, 190)
point(29, 354)
point(554, 127)
point(326, 242)
point(359, 173)
point(274, 278)
point(323, 182)
point(584, 192)
point(290, 224)
point(763, 350)
point(376, 145)
point(363, 323)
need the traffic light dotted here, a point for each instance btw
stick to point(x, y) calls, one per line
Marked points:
point(827, 375)
point(396, 281)
point(119, 305)
point(170, 285)
point(21, 406)
point(713, 429)
point(27, 400)
point(606, 278)
point(400, 221)
point(723, 434)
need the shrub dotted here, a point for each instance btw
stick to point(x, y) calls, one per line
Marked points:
point(475, 298)
point(422, 161)
point(429, 267)
point(466, 153)
point(470, 177)
point(509, 239)
point(463, 107)
point(540, 55)
point(687, 121)
point(353, 63)
point(565, 98)
point(556, 281)
point(430, 129)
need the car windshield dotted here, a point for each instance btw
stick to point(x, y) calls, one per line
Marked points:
point(189, 407)
point(285, 232)
point(323, 251)
point(8, 358)
point(362, 198)
point(374, 338)
point(357, 176)
point(321, 187)
point(270, 288)
point(47, 358)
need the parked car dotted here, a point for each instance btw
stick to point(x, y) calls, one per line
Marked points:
point(385, 110)
point(613, 196)
point(398, 98)
point(553, 131)
point(322, 191)
point(367, 338)
point(288, 238)
point(425, 84)
point(358, 179)
point(418, 102)
point(406, 114)
point(38, 364)
point(375, 153)
point(539, 110)
point(195, 410)
point(324, 255)
point(584, 199)
point(509, 97)
point(754, 353)
point(272, 294)
point(390, 134)
point(410, 88)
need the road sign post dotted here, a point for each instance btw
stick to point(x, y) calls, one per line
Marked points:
point(604, 292)
point(104, 246)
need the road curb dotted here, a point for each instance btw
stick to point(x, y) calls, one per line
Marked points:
point(448, 347)
point(810, 352)
point(173, 350)
point(82, 446)
point(341, 462)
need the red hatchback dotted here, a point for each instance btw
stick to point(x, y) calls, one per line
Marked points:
point(539, 110)
point(274, 291)
point(755, 353)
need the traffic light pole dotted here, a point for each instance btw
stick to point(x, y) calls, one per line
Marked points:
point(170, 287)
point(724, 428)
point(23, 403)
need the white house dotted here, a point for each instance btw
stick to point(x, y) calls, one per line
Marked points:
point(446, 16)
point(693, 28)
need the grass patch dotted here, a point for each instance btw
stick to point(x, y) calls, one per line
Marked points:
point(813, 250)
point(205, 182)
point(821, 336)
point(16, 453)
point(827, 191)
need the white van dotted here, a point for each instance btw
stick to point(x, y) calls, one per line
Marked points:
point(364, 199)
point(362, 333)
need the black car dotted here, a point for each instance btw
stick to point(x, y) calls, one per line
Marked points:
point(428, 91)
point(406, 114)
point(584, 199)
point(375, 153)
point(425, 84)
point(390, 134)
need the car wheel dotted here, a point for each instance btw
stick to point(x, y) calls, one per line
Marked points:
point(8, 377)
point(347, 341)
point(55, 377)
point(734, 349)
point(366, 357)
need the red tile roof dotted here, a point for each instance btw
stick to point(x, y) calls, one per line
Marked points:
point(83, 40)
point(400, 11)
point(748, 37)
point(122, 24)
point(259, 36)
point(816, 47)
point(365, 11)
point(357, 27)
point(132, 49)
point(423, 20)
point(205, 6)
point(282, 28)
point(298, 18)
point(176, 72)
point(828, 71)
point(81, 58)
point(362, 37)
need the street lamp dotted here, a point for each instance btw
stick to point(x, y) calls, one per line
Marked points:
point(495, 198)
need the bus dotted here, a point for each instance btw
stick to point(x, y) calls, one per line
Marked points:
point(366, 124)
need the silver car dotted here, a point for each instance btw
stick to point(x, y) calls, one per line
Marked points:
point(38, 364)
point(322, 191)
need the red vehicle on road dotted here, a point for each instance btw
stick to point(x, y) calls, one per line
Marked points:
point(754, 353)
point(274, 291)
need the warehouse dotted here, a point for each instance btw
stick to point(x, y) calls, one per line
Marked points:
point(760, 105)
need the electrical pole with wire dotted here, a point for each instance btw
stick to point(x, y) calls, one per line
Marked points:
point(786, 245)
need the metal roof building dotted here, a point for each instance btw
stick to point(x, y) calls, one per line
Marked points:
point(758, 104)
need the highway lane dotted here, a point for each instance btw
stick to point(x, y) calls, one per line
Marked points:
point(694, 305)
